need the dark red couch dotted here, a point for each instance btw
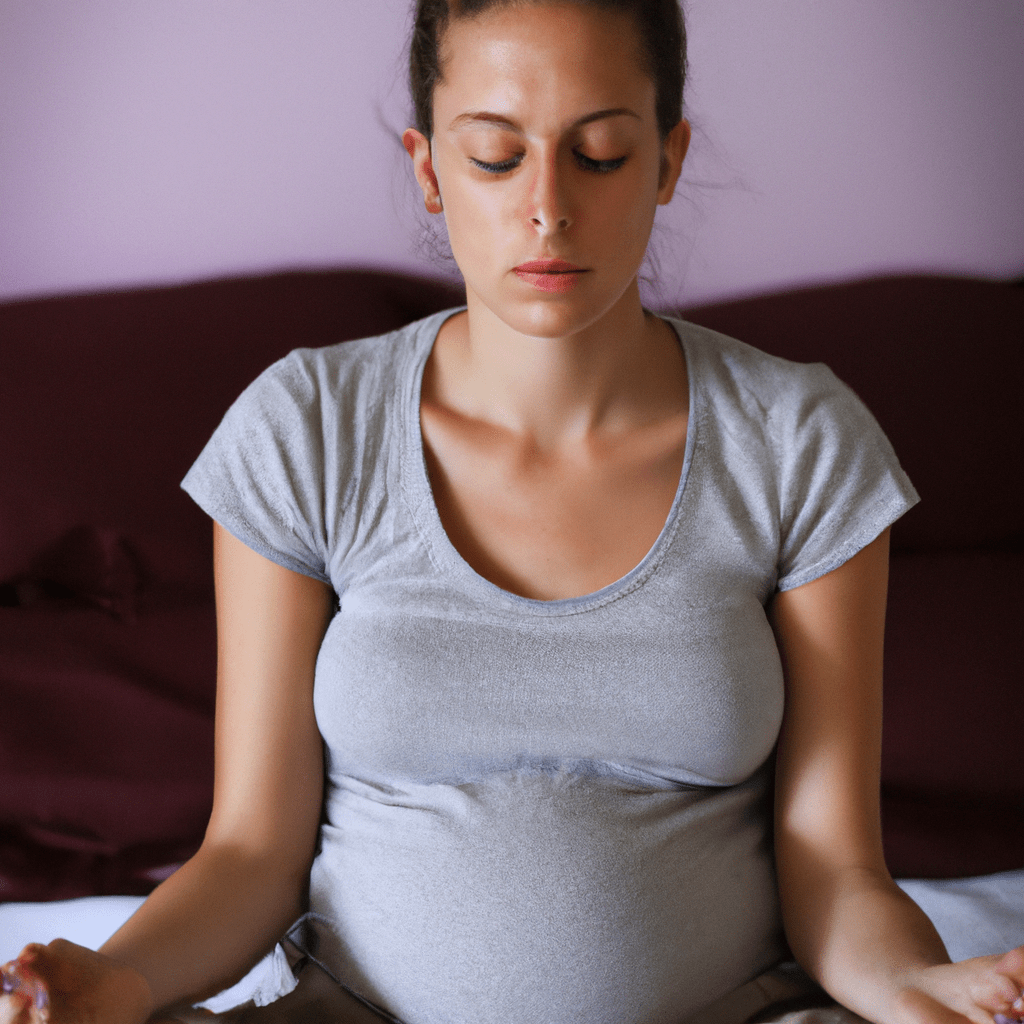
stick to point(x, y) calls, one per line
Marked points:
point(106, 614)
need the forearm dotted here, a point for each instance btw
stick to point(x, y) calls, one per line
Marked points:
point(847, 922)
point(209, 923)
point(862, 938)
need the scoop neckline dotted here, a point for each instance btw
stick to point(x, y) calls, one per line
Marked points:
point(447, 557)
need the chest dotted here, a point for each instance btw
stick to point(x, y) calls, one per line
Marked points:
point(551, 527)
point(416, 680)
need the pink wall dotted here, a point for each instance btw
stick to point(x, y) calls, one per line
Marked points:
point(180, 139)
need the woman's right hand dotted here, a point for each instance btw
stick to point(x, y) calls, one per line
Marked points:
point(64, 983)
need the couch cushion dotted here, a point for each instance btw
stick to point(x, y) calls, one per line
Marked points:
point(939, 361)
point(106, 756)
point(952, 787)
point(85, 565)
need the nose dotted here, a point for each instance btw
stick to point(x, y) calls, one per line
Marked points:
point(549, 201)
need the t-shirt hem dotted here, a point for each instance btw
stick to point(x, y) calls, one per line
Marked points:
point(850, 547)
point(251, 541)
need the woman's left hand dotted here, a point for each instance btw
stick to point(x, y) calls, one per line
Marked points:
point(983, 989)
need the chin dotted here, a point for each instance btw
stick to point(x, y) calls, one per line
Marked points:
point(545, 318)
point(549, 315)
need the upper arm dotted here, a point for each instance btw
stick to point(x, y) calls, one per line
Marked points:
point(830, 634)
point(268, 780)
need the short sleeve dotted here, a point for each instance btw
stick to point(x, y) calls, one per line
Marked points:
point(840, 482)
point(261, 475)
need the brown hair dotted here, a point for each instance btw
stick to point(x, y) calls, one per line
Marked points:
point(662, 37)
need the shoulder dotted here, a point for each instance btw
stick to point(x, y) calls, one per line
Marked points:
point(795, 436)
point(729, 369)
point(335, 386)
point(298, 446)
point(333, 372)
point(768, 401)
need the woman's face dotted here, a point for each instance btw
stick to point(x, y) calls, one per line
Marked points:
point(546, 147)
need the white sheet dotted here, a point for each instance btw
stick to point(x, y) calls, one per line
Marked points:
point(974, 916)
point(89, 922)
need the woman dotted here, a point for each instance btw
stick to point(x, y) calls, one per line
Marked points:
point(569, 541)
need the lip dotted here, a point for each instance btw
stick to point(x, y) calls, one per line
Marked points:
point(561, 281)
point(548, 267)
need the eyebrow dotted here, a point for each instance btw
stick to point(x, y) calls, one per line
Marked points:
point(471, 117)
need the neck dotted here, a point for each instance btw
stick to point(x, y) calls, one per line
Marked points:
point(615, 374)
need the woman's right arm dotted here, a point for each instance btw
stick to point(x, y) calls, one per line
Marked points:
point(212, 920)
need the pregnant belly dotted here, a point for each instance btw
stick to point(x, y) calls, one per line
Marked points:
point(545, 896)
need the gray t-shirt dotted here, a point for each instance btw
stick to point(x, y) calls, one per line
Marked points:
point(547, 811)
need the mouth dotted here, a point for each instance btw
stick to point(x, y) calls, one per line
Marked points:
point(556, 275)
point(548, 267)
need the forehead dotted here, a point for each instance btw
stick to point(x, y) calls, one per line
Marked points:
point(554, 62)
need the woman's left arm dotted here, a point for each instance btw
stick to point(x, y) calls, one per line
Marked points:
point(847, 922)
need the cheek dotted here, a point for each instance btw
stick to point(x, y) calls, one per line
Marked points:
point(625, 216)
point(476, 219)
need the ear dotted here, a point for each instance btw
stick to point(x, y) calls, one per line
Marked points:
point(417, 145)
point(677, 142)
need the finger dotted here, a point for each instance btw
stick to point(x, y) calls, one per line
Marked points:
point(29, 954)
point(13, 1010)
point(25, 990)
point(1012, 963)
point(1015, 1014)
point(13, 979)
point(1010, 968)
point(17, 1008)
point(998, 993)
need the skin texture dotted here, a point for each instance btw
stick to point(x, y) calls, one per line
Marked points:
point(541, 410)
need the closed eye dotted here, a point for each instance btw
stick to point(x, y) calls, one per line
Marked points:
point(599, 166)
point(586, 162)
point(502, 168)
